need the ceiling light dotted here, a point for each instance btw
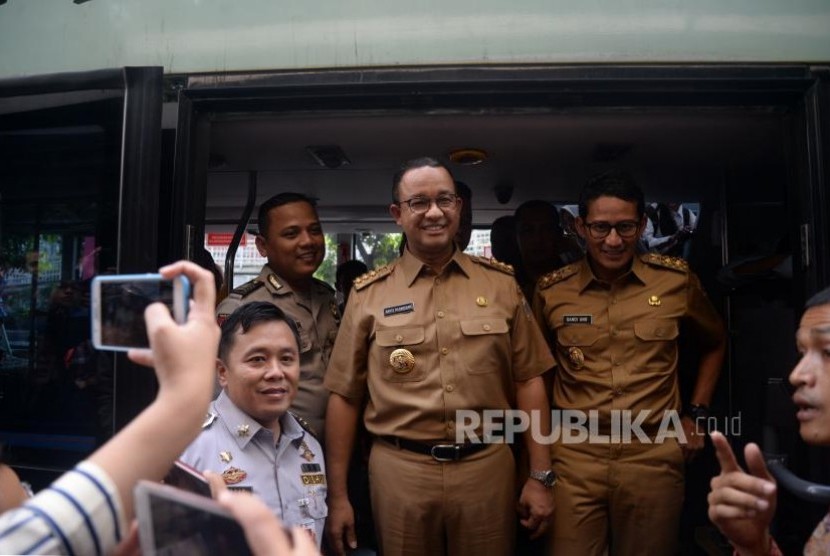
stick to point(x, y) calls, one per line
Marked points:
point(468, 157)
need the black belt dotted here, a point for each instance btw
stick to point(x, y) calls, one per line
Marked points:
point(439, 452)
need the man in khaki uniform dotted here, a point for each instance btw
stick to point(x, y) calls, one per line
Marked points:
point(613, 320)
point(291, 237)
point(435, 332)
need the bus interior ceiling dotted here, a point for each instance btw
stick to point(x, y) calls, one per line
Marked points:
point(677, 154)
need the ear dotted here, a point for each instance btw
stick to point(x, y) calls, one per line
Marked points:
point(260, 246)
point(395, 212)
point(580, 227)
point(222, 373)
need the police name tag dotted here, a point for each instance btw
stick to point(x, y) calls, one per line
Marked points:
point(578, 319)
point(398, 309)
point(310, 468)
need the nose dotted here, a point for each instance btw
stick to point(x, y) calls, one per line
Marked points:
point(433, 211)
point(274, 370)
point(613, 238)
point(306, 238)
point(804, 372)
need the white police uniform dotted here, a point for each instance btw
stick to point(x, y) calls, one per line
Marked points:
point(288, 472)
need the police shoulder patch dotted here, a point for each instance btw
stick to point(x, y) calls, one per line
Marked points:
point(372, 276)
point(303, 423)
point(674, 263)
point(247, 288)
point(495, 264)
point(557, 275)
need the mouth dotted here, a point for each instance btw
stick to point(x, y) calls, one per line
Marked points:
point(806, 411)
point(311, 256)
point(275, 392)
point(434, 227)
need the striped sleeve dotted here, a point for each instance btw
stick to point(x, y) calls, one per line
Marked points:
point(80, 513)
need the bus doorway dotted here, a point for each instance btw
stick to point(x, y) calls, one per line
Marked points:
point(744, 145)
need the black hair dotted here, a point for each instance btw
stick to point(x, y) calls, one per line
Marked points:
point(246, 317)
point(613, 183)
point(413, 164)
point(279, 200)
point(534, 204)
point(818, 299)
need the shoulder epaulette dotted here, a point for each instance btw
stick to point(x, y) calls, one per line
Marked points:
point(326, 284)
point(303, 423)
point(493, 263)
point(674, 263)
point(372, 276)
point(247, 288)
point(557, 275)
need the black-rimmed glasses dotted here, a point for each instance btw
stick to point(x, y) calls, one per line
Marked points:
point(600, 230)
point(420, 205)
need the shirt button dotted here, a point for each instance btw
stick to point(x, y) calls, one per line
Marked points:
point(450, 387)
point(398, 338)
point(618, 392)
point(614, 332)
point(437, 280)
point(617, 363)
point(486, 327)
point(659, 332)
point(440, 314)
point(444, 351)
point(613, 301)
point(450, 424)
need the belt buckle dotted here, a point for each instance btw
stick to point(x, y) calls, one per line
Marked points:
point(433, 451)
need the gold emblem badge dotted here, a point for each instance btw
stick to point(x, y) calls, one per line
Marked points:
point(233, 475)
point(481, 301)
point(243, 430)
point(576, 357)
point(226, 457)
point(654, 301)
point(305, 452)
point(402, 360)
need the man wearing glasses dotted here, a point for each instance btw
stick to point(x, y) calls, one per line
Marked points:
point(433, 333)
point(613, 321)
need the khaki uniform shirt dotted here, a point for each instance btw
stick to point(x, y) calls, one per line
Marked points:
point(288, 473)
point(470, 334)
point(616, 344)
point(317, 317)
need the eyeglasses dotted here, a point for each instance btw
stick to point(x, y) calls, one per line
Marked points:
point(600, 230)
point(420, 205)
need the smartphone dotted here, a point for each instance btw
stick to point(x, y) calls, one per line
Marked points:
point(187, 478)
point(172, 522)
point(118, 304)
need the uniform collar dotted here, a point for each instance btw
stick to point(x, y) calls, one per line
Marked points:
point(412, 266)
point(277, 285)
point(637, 273)
point(236, 420)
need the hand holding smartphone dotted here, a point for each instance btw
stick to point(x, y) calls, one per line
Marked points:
point(118, 303)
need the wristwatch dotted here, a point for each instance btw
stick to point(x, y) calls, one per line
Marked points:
point(546, 477)
point(697, 411)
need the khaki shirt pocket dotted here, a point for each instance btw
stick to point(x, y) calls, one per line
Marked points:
point(409, 339)
point(577, 335)
point(656, 330)
point(486, 345)
point(573, 343)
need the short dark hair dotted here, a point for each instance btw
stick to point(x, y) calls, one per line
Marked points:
point(351, 268)
point(246, 317)
point(538, 203)
point(413, 164)
point(279, 200)
point(614, 183)
point(818, 299)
